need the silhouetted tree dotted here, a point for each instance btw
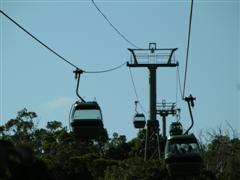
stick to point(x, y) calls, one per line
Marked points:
point(223, 157)
point(28, 152)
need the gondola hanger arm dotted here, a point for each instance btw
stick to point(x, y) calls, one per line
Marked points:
point(78, 73)
point(136, 103)
point(190, 101)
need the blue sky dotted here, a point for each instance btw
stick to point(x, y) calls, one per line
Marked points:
point(33, 77)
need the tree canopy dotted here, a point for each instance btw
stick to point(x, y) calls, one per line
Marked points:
point(52, 153)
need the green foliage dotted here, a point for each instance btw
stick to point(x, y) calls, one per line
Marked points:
point(54, 125)
point(18, 162)
point(20, 130)
point(136, 168)
point(223, 157)
point(28, 152)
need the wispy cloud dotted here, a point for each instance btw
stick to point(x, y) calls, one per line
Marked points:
point(60, 102)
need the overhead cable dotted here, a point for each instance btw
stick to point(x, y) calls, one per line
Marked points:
point(179, 82)
point(188, 44)
point(54, 52)
point(107, 70)
point(34, 37)
point(109, 22)
point(177, 86)
point(135, 91)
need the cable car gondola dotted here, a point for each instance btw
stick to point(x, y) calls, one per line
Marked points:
point(139, 121)
point(182, 151)
point(176, 128)
point(86, 119)
point(182, 155)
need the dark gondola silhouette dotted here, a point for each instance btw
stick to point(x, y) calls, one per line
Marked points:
point(175, 128)
point(182, 155)
point(85, 117)
point(182, 151)
point(139, 120)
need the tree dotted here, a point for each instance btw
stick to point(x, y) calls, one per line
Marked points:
point(18, 162)
point(54, 126)
point(54, 153)
point(222, 157)
point(117, 148)
point(21, 128)
point(136, 168)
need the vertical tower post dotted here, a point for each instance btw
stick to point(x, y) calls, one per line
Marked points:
point(164, 126)
point(152, 93)
point(152, 59)
point(152, 145)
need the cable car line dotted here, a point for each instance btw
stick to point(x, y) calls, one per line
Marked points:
point(177, 86)
point(189, 35)
point(107, 70)
point(79, 121)
point(135, 91)
point(179, 82)
point(42, 43)
point(109, 22)
point(54, 52)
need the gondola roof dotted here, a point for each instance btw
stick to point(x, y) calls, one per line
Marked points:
point(185, 138)
point(87, 105)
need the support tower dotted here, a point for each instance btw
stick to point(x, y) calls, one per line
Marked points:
point(152, 58)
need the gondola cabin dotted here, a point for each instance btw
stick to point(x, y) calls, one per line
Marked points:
point(139, 121)
point(86, 120)
point(176, 128)
point(182, 155)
